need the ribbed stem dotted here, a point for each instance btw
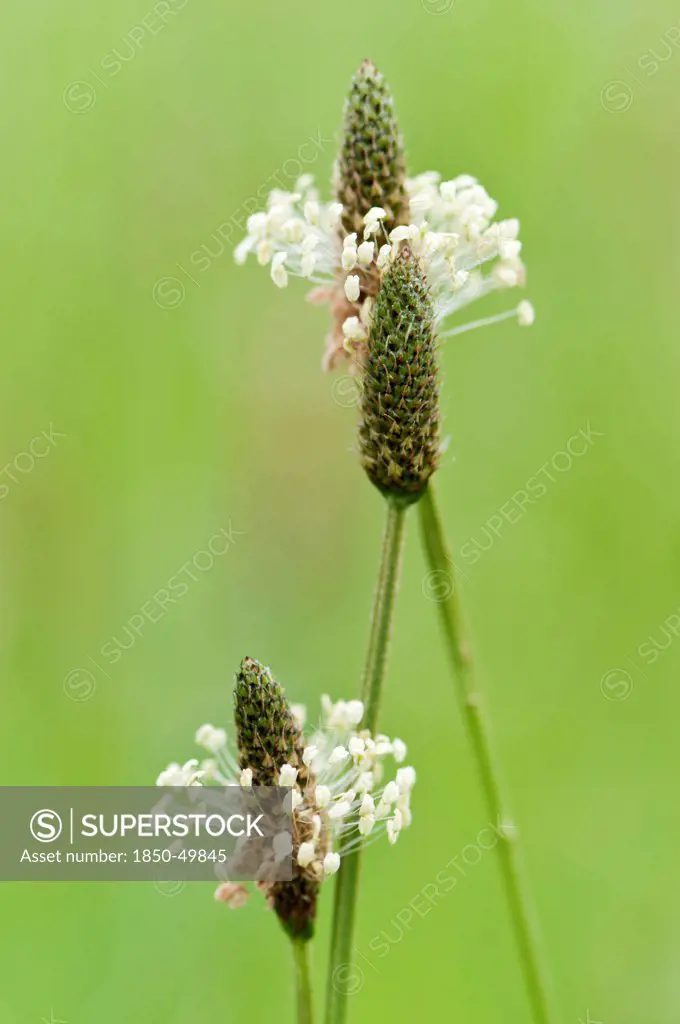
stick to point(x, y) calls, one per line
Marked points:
point(341, 981)
point(524, 923)
point(383, 610)
point(303, 982)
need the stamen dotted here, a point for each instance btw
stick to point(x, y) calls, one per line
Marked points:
point(486, 322)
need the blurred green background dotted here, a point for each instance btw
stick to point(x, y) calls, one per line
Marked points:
point(181, 417)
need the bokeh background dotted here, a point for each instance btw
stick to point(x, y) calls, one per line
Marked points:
point(186, 400)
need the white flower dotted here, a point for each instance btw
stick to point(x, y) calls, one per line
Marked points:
point(356, 746)
point(399, 750)
point(466, 253)
point(306, 854)
point(392, 830)
point(349, 765)
point(349, 255)
point(372, 221)
point(308, 755)
point(525, 314)
point(384, 255)
point(367, 805)
point(181, 775)
point(210, 738)
point(343, 714)
point(331, 863)
point(366, 823)
point(288, 775)
point(278, 272)
point(340, 810)
point(390, 793)
point(365, 253)
point(353, 788)
point(353, 329)
point(406, 778)
point(323, 796)
point(352, 287)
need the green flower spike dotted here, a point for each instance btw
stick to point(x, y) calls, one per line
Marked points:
point(399, 403)
point(268, 738)
point(371, 169)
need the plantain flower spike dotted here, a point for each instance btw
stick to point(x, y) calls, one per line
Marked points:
point(347, 786)
point(344, 244)
point(271, 746)
point(371, 170)
point(399, 404)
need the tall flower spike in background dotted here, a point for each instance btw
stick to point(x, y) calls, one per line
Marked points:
point(371, 170)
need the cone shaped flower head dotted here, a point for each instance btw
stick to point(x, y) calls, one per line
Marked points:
point(271, 748)
point(267, 732)
point(371, 170)
point(399, 404)
point(345, 245)
point(342, 792)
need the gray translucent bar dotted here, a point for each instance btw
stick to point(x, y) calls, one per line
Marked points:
point(144, 833)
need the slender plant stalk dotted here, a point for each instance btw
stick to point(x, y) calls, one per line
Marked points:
point(383, 612)
point(303, 983)
point(341, 981)
point(522, 914)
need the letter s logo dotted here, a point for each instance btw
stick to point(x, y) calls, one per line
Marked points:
point(46, 826)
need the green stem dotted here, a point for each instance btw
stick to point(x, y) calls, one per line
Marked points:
point(342, 981)
point(522, 914)
point(383, 612)
point(303, 983)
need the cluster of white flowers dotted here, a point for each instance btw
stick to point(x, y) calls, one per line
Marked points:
point(465, 253)
point(349, 768)
point(296, 235)
point(349, 800)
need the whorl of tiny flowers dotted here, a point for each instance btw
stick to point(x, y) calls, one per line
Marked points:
point(344, 245)
point(465, 253)
point(370, 169)
point(399, 404)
